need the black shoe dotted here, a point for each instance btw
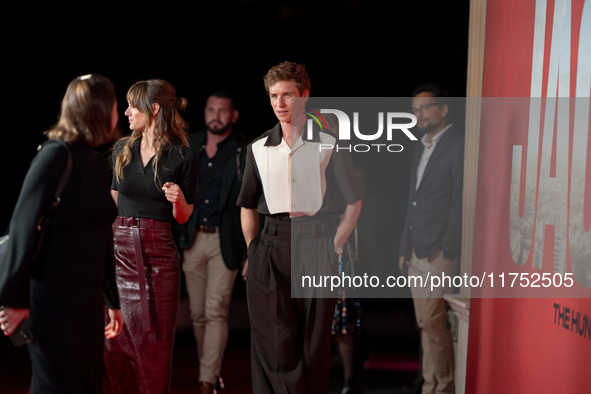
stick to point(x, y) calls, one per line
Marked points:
point(206, 388)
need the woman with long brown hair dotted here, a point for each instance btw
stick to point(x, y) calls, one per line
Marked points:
point(154, 180)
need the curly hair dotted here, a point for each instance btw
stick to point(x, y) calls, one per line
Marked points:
point(286, 71)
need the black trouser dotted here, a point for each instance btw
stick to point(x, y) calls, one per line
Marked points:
point(290, 336)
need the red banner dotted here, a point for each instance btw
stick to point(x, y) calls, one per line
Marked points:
point(533, 211)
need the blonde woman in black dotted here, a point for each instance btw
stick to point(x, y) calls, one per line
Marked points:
point(153, 185)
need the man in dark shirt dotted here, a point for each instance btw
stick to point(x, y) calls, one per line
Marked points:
point(212, 239)
point(303, 194)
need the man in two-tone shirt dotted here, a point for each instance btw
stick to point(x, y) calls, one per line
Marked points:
point(310, 199)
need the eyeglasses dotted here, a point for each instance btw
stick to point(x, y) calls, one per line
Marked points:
point(422, 108)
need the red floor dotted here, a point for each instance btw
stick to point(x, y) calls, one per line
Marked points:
point(389, 362)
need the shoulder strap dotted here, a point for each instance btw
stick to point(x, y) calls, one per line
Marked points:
point(57, 197)
point(65, 176)
point(60, 186)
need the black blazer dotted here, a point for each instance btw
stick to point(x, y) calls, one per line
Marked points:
point(434, 211)
point(76, 257)
point(231, 237)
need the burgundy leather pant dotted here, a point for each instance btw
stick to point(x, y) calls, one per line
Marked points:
point(139, 360)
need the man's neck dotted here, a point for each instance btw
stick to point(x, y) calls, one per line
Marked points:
point(432, 134)
point(293, 129)
point(286, 132)
point(211, 147)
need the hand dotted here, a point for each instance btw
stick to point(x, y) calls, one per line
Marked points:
point(115, 324)
point(434, 255)
point(244, 269)
point(10, 318)
point(173, 192)
point(403, 261)
point(338, 250)
point(180, 209)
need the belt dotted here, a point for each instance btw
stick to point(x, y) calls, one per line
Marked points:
point(135, 225)
point(141, 223)
point(204, 228)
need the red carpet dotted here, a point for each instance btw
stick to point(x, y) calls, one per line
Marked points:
point(388, 353)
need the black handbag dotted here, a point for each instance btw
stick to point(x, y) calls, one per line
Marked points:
point(57, 198)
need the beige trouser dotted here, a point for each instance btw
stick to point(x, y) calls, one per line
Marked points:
point(209, 285)
point(433, 321)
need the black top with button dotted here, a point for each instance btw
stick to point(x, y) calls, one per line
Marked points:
point(208, 209)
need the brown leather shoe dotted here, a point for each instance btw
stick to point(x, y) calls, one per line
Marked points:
point(205, 388)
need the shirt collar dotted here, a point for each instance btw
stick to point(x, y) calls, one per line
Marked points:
point(435, 139)
point(219, 145)
point(276, 135)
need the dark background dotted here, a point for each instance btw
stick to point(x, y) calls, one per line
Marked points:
point(351, 48)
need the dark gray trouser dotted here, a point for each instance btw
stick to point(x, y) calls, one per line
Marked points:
point(290, 337)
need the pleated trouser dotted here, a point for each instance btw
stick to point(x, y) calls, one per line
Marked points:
point(290, 337)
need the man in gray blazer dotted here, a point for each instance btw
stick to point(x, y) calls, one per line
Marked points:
point(431, 238)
